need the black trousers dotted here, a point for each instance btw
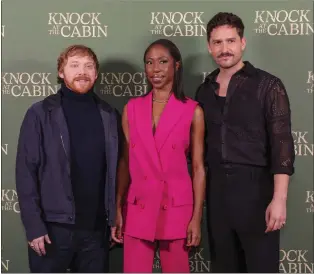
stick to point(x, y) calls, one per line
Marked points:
point(72, 249)
point(237, 198)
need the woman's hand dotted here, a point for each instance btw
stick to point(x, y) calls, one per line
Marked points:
point(194, 233)
point(116, 231)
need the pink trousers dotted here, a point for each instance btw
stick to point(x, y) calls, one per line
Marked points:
point(139, 255)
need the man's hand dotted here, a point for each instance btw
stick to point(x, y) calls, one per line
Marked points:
point(38, 244)
point(276, 215)
point(116, 231)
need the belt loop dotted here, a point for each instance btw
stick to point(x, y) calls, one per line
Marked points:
point(256, 173)
point(252, 173)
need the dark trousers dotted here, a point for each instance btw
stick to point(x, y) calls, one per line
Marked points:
point(72, 249)
point(236, 204)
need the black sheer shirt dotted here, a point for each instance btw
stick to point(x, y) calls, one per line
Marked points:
point(253, 127)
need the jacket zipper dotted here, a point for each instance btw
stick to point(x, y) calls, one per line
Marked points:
point(63, 146)
point(67, 159)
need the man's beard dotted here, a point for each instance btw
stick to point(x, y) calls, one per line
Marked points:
point(230, 63)
point(80, 84)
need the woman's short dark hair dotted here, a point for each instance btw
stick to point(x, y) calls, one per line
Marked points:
point(223, 19)
point(177, 87)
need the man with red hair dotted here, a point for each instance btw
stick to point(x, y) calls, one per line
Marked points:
point(65, 171)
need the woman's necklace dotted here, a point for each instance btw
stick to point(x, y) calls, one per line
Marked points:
point(161, 101)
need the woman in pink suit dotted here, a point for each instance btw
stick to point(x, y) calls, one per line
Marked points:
point(163, 204)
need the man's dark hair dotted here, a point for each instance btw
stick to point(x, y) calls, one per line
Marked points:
point(223, 19)
point(177, 87)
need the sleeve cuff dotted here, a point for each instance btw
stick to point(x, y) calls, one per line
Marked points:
point(36, 230)
point(283, 170)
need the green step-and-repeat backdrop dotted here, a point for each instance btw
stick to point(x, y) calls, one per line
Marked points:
point(33, 32)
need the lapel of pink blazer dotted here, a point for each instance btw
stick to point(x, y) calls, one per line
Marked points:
point(169, 118)
point(144, 110)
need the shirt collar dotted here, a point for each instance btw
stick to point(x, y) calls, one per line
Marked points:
point(248, 69)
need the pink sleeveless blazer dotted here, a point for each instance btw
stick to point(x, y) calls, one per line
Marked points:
point(160, 196)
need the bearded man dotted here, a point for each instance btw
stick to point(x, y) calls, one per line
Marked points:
point(65, 171)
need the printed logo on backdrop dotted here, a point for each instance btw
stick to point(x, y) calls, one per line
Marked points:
point(4, 263)
point(25, 84)
point(5, 149)
point(77, 25)
point(309, 201)
point(303, 146)
point(2, 30)
point(198, 262)
point(9, 200)
point(123, 84)
point(178, 24)
point(310, 82)
point(284, 22)
point(295, 261)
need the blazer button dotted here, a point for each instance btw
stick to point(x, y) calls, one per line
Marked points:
point(165, 207)
point(145, 177)
point(142, 206)
point(133, 145)
point(174, 146)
